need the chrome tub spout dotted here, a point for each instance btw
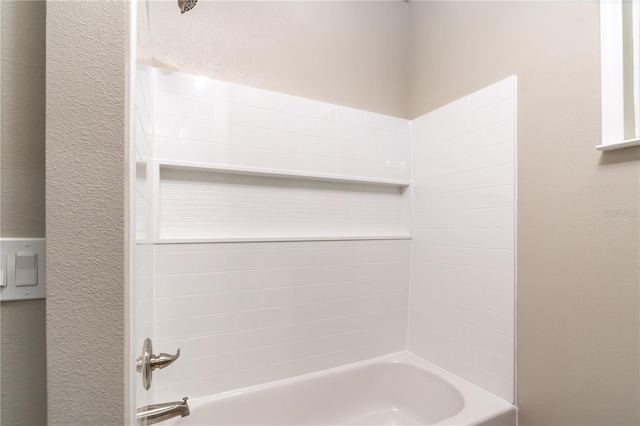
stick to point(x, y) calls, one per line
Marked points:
point(159, 412)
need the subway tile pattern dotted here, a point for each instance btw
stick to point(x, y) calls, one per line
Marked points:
point(143, 256)
point(143, 319)
point(211, 122)
point(208, 121)
point(248, 313)
point(214, 206)
point(144, 152)
point(461, 312)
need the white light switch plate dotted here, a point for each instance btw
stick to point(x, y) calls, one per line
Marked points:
point(26, 247)
point(3, 270)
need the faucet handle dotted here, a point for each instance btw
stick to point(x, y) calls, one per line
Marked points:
point(148, 362)
point(163, 360)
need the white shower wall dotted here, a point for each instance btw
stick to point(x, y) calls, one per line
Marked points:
point(207, 121)
point(144, 152)
point(245, 313)
point(143, 250)
point(462, 303)
point(248, 313)
point(251, 312)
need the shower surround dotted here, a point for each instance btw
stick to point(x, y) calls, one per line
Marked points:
point(329, 275)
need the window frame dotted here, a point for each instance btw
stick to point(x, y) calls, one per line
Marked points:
point(613, 78)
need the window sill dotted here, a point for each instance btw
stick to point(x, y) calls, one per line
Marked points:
point(619, 145)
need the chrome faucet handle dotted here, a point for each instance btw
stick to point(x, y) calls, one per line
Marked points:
point(148, 362)
point(163, 360)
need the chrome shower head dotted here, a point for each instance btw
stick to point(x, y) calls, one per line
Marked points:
point(186, 5)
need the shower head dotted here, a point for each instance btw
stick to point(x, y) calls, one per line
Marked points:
point(186, 5)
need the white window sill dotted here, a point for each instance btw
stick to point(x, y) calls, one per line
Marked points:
point(619, 145)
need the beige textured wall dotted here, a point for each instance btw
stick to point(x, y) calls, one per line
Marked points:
point(23, 82)
point(85, 167)
point(578, 272)
point(24, 364)
point(344, 52)
point(23, 386)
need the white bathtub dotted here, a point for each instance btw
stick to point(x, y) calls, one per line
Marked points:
point(397, 389)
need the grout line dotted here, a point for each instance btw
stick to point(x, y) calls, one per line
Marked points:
point(466, 325)
point(470, 286)
point(376, 296)
point(469, 267)
point(388, 145)
point(506, 317)
point(471, 228)
point(418, 150)
point(377, 279)
point(466, 306)
point(175, 140)
point(466, 115)
point(462, 172)
point(467, 285)
point(467, 209)
point(356, 331)
point(448, 139)
point(474, 347)
point(267, 269)
point(285, 325)
point(417, 242)
point(289, 112)
point(475, 365)
point(315, 245)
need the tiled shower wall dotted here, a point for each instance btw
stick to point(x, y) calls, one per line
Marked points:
point(144, 152)
point(207, 121)
point(462, 265)
point(143, 285)
point(248, 313)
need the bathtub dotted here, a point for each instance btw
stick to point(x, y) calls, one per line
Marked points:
point(397, 389)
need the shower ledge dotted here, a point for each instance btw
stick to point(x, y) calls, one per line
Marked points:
point(277, 239)
point(279, 173)
point(180, 238)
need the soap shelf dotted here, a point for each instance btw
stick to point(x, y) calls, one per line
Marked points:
point(258, 171)
point(279, 239)
point(248, 204)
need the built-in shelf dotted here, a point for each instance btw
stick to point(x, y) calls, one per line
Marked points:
point(256, 171)
point(211, 203)
point(620, 145)
point(280, 239)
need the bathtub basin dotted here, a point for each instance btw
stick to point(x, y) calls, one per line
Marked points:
point(397, 389)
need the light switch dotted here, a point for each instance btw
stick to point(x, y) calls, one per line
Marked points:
point(3, 270)
point(23, 269)
point(26, 269)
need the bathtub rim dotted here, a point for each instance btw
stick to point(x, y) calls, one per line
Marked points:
point(479, 405)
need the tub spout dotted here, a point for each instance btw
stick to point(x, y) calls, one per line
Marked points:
point(159, 412)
